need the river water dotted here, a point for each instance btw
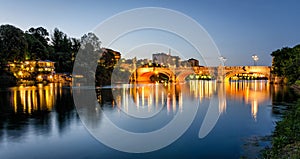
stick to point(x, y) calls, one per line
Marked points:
point(42, 122)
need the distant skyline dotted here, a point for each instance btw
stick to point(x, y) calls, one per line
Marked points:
point(239, 28)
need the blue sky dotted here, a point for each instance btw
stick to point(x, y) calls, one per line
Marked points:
point(239, 28)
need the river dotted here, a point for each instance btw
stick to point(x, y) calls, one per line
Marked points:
point(42, 122)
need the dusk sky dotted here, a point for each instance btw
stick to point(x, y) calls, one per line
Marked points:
point(239, 28)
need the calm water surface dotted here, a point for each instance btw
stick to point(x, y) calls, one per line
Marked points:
point(41, 121)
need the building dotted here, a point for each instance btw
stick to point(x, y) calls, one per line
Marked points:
point(190, 63)
point(166, 59)
point(28, 70)
point(185, 64)
point(193, 62)
point(142, 62)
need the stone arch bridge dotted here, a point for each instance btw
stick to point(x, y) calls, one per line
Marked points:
point(179, 74)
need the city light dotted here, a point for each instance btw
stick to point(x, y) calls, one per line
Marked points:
point(255, 59)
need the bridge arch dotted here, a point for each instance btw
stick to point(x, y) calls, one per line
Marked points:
point(249, 71)
point(145, 74)
point(181, 76)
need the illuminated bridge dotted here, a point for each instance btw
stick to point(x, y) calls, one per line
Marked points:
point(220, 73)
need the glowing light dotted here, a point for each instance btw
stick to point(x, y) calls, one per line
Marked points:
point(39, 77)
point(174, 102)
point(180, 102)
point(254, 109)
point(15, 101)
point(143, 96)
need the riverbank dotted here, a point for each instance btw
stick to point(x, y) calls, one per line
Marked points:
point(286, 137)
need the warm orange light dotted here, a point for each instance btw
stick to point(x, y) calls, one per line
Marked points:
point(39, 77)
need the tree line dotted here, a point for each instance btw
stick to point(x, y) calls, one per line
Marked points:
point(37, 44)
point(17, 45)
point(286, 63)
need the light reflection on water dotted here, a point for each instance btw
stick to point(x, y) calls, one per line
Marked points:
point(39, 121)
point(155, 96)
point(35, 98)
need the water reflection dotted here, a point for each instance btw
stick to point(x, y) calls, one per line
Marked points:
point(35, 98)
point(28, 110)
point(42, 99)
point(251, 92)
point(175, 97)
point(36, 120)
point(156, 96)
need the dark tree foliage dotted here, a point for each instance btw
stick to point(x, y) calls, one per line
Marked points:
point(38, 47)
point(34, 44)
point(13, 44)
point(65, 50)
point(91, 54)
point(41, 34)
point(286, 63)
point(105, 67)
point(75, 47)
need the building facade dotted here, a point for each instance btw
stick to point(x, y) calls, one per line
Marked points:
point(166, 59)
point(32, 70)
point(193, 62)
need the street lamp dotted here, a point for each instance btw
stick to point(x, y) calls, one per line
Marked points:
point(222, 67)
point(223, 60)
point(255, 59)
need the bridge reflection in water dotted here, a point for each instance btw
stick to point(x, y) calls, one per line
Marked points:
point(252, 92)
point(152, 97)
point(174, 97)
point(46, 115)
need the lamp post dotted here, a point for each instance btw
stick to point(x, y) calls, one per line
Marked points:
point(255, 59)
point(223, 60)
point(221, 68)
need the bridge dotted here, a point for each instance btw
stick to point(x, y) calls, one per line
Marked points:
point(220, 73)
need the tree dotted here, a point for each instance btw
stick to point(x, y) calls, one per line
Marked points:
point(75, 47)
point(63, 51)
point(87, 57)
point(106, 66)
point(57, 39)
point(91, 39)
point(13, 44)
point(38, 47)
point(40, 34)
point(286, 63)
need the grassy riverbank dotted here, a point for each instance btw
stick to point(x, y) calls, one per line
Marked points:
point(286, 137)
